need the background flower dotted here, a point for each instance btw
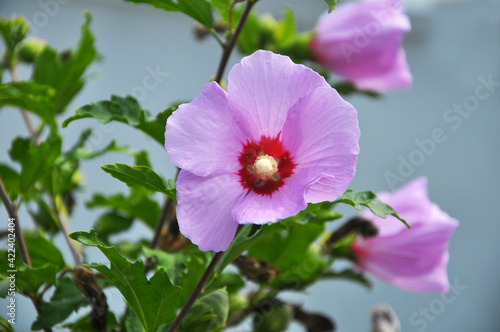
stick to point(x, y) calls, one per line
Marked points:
point(413, 259)
point(362, 42)
point(279, 138)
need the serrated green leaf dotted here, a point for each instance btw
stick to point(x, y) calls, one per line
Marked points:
point(126, 110)
point(200, 10)
point(184, 269)
point(30, 279)
point(111, 223)
point(208, 314)
point(38, 161)
point(153, 301)
point(10, 180)
point(35, 240)
point(88, 239)
point(371, 201)
point(66, 299)
point(31, 96)
point(141, 176)
point(138, 205)
point(65, 72)
point(331, 5)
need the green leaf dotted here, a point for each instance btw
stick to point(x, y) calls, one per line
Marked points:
point(371, 201)
point(138, 205)
point(65, 72)
point(19, 149)
point(83, 324)
point(184, 269)
point(111, 223)
point(41, 250)
point(10, 180)
point(251, 38)
point(66, 300)
point(318, 212)
point(38, 160)
point(200, 10)
point(153, 301)
point(44, 216)
point(209, 313)
point(5, 326)
point(30, 279)
point(240, 244)
point(142, 176)
point(293, 251)
point(31, 96)
point(331, 5)
point(128, 111)
point(286, 31)
point(88, 239)
point(349, 275)
point(230, 281)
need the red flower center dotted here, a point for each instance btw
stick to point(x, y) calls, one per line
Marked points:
point(264, 165)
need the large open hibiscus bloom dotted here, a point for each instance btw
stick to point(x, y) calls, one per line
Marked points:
point(361, 41)
point(279, 138)
point(413, 259)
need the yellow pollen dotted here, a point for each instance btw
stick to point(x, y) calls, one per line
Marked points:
point(265, 167)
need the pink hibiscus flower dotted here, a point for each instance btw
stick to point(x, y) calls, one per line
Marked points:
point(362, 42)
point(280, 137)
point(412, 259)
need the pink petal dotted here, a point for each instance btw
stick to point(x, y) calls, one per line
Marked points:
point(397, 77)
point(322, 134)
point(362, 42)
point(204, 209)
point(413, 259)
point(263, 87)
point(201, 136)
point(287, 201)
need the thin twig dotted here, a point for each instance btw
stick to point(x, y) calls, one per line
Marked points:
point(196, 292)
point(228, 48)
point(65, 228)
point(11, 211)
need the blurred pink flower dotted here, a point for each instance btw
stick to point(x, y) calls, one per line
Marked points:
point(280, 137)
point(412, 259)
point(362, 42)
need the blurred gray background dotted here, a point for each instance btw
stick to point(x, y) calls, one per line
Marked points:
point(452, 48)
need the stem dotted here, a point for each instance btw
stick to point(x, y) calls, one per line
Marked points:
point(167, 206)
point(65, 228)
point(196, 292)
point(228, 48)
point(11, 211)
point(26, 116)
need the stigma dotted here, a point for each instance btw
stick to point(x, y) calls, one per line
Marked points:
point(265, 167)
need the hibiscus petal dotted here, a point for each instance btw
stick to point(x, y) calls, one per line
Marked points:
point(322, 134)
point(204, 209)
point(285, 202)
point(398, 77)
point(263, 87)
point(201, 136)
